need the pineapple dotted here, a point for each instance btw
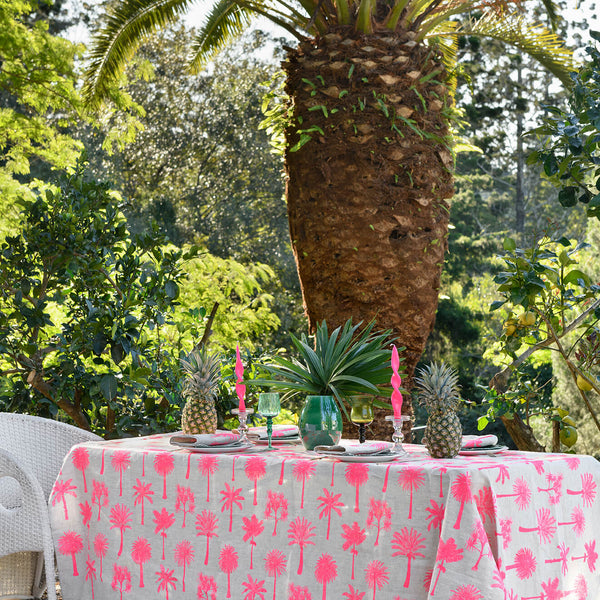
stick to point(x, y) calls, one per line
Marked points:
point(438, 389)
point(203, 372)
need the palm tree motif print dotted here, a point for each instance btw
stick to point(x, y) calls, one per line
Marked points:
point(165, 580)
point(581, 588)
point(479, 542)
point(275, 564)
point(99, 495)
point(353, 536)
point(466, 592)
point(164, 463)
point(303, 470)
point(353, 594)
point(295, 592)
point(121, 579)
point(461, 492)
point(563, 558)
point(385, 479)
point(486, 504)
point(525, 563)
point(231, 497)
point(590, 556)
point(572, 462)
point(228, 563)
point(162, 520)
point(326, 569)
point(503, 473)
point(60, 490)
point(554, 490)
point(120, 461)
point(252, 529)
point(71, 543)
point(255, 469)
point(207, 466)
point(505, 532)
point(447, 552)
point(185, 501)
point(550, 591)
point(333, 464)
point(376, 575)
point(142, 492)
point(207, 588)
point(90, 573)
point(521, 494)
point(442, 471)
point(100, 548)
point(587, 491)
point(299, 533)
point(184, 555)
point(357, 474)
point(329, 502)
point(411, 479)
point(435, 515)
point(120, 517)
point(85, 510)
point(282, 470)
point(577, 521)
point(546, 525)
point(141, 552)
point(81, 461)
point(254, 589)
point(408, 543)
point(277, 508)
point(206, 524)
point(380, 516)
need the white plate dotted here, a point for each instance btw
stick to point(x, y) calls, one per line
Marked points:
point(223, 449)
point(365, 458)
point(279, 441)
point(490, 451)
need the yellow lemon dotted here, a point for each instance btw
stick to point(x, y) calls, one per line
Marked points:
point(583, 384)
point(510, 326)
point(568, 436)
point(527, 319)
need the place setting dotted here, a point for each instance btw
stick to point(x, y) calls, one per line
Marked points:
point(219, 442)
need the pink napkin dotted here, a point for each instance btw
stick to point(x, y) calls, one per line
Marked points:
point(279, 431)
point(479, 441)
point(220, 438)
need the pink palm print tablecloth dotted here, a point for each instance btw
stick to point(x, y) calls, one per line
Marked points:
point(137, 519)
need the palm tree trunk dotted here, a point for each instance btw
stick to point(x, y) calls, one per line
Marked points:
point(366, 195)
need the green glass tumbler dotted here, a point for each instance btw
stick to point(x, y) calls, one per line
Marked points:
point(320, 422)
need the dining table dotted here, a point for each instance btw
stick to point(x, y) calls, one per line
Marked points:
point(141, 518)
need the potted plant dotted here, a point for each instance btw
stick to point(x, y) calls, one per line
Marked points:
point(348, 362)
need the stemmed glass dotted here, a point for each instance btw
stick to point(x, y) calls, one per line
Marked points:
point(269, 407)
point(398, 436)
point(361, 414)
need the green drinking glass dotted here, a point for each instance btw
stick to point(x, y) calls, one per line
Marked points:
point(269, 406)
point(361, 414)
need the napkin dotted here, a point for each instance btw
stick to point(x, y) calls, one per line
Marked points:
point(219, 438)
point(479, 441)
point(281, 432)
point(357, 449)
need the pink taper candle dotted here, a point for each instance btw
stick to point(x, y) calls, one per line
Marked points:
point(240, 388)
point(396, 382)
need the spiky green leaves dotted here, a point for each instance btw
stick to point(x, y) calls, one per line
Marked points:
point(437, 387)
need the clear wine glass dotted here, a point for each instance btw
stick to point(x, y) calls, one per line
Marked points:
point(269, 406)
point(361, 414)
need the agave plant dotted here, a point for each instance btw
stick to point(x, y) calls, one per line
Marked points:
point(345, 363)
point(369, 149)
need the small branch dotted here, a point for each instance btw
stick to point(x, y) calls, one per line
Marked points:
point(208, 328)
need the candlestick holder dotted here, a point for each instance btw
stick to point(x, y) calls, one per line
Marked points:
point(398, 436)
point(243, 418)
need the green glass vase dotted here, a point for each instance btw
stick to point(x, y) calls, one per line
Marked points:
point(320, 422)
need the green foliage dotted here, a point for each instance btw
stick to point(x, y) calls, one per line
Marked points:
point(89, 320)
point(347, 362)
point(571, 150)
point(546, 296)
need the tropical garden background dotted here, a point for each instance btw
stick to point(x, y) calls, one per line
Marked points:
point(133, 229)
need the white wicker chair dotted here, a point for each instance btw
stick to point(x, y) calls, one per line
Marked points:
point(32, 450)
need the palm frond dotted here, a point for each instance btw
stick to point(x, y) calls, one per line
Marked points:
point(533, 39)
point(128, 23)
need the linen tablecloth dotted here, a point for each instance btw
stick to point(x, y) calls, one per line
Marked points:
point(138, 518)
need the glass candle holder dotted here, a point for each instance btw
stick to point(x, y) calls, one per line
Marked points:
point(269, 406)
point(243, 426)
point(361, 414)
point(398, 436)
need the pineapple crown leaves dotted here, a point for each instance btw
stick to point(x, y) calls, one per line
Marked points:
point(203, 373)
point(345, 363)
point(437, 387)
